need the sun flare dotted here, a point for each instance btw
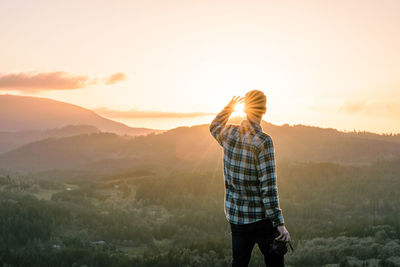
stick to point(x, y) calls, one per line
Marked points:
point(239, 110)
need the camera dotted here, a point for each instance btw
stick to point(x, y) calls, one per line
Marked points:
point(279, 247)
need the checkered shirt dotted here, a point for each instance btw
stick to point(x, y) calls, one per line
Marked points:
point(251, 193)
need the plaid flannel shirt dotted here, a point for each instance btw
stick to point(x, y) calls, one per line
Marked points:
point(251, 193)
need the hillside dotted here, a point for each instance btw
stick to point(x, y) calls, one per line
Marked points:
point(193, 148)
point(12, 140)
point(22, 113)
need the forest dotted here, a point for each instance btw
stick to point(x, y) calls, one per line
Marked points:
point(338, 215)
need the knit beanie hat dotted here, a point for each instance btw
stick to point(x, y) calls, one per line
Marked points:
point(255, 103)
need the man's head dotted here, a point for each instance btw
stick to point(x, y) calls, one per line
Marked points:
point(255, 104)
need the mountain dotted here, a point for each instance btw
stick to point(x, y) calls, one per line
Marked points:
point(22, 113)
point(12, 140)
point(194, 148)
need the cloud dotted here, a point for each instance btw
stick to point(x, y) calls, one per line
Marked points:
point(133, 114)
point(58, 80)
point(116, 77)
point(353, 107)
point(376, 108)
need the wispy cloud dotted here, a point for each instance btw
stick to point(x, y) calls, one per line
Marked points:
point(376, 108)
point(133, 113)
point(45, 81)
point(116, 77)
point(353, 107)
point(58, 80)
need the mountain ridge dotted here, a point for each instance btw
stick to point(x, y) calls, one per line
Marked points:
point(194, 147)
point(12, 140)
point(25, 113)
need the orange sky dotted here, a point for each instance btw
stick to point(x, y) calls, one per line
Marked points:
point(324, 63)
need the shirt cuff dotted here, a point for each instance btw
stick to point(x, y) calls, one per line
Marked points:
point(278, 220)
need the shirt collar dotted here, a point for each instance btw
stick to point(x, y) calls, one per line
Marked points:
point(248, 123)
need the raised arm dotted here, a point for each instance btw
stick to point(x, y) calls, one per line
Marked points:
point(218, 124)
point(267, 177)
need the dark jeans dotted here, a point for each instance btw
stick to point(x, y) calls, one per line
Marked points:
point(244, 236)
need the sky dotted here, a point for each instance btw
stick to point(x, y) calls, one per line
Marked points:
point(163, 64)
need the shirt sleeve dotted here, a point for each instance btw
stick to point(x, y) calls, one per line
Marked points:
point(267, 176)
point(217, 126)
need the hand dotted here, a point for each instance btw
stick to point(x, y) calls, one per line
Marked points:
point(283, 234)
point(234, 101)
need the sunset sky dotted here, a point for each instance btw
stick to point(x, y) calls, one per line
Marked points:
point(163, 64)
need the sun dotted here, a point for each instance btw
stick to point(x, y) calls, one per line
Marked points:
point(239, 110)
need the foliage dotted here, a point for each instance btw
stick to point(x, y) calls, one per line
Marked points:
point(337, 216)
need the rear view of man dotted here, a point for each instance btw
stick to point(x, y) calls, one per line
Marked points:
point(251, 194)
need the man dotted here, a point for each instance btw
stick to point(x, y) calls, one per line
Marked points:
point(251, 194)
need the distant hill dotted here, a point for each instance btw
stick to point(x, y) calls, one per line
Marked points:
point(22, 113)
point(308, 143)
point(194, 148)
point(12, 140)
